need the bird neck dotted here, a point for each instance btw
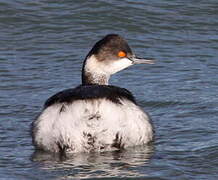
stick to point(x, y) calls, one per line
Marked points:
point(92, 72)
point(94, 78)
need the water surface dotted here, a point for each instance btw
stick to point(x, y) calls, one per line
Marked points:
point(42, 46)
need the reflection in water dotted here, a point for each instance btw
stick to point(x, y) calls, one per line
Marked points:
point(106, 164)
point(42, 45)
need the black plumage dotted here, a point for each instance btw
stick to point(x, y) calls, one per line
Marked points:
point(87, 92)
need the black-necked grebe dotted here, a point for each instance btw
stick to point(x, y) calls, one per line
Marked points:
point(95, 116)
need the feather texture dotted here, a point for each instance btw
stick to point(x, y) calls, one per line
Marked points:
point(76, 120)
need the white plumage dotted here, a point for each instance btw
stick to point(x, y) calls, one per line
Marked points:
point(92, 125)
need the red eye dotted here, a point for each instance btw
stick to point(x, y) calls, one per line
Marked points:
point(122, 54)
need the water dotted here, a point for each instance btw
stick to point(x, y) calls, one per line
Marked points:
point(42, 46)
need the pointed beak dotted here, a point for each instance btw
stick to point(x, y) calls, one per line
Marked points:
point(137, 60)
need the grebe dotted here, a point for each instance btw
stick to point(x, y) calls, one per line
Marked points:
point(95, 116)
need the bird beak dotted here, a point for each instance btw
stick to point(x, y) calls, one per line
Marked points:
point(137, 60)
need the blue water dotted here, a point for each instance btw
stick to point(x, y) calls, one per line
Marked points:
point(42, 46)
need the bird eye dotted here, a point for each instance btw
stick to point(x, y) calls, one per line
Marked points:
point(122, 54)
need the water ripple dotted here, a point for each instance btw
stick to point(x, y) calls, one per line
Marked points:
point(42, 46)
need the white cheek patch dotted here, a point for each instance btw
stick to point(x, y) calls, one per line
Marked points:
point(96, 67)
point(118, 65)
point(93, 65)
